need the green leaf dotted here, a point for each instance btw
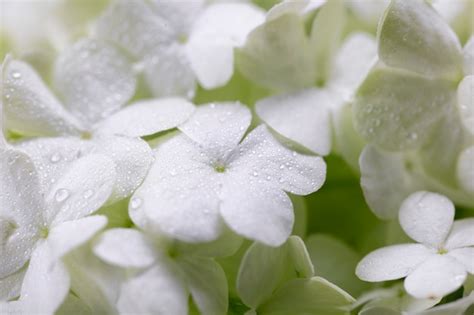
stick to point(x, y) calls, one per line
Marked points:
point(315, 296)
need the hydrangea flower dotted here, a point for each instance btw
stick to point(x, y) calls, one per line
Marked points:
point(94, 82)
point(176, 43)
point(38, 229)
point(336, 71)
point(439, 263)
point(207, 175)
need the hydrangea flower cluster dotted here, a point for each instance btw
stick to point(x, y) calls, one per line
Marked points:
point(217, 157)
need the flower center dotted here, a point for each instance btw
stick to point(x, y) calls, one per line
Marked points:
point(442, 251)
point(44, 232)
point(219, 168)
point(86, 135)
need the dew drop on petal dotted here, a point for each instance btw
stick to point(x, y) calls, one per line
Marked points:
point(61, 195)
point(56, 157)
point(88, 193)
point(16, 75)
point(135, 203)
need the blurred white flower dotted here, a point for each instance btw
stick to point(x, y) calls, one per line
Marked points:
point(439, 263)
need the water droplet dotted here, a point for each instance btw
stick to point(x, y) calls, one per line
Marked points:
point(135, 203)
point(88, 193)
point(61, 194)
point(255, 174)
point(55, 157)
point(16, 74)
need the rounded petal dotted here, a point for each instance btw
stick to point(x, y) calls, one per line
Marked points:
point(390, 111)
point(263, 158)
point(125, 248)
point(413, 36)
point(461, 235)
point(158, 290)
point(427, 217)
point(435, 278)
point(219, 29)
point(147, 117)
point(21, 210)
point(465, 256)
point(179, 194)
point(10, 286)
point(385, 181)
point(309, 109)
point(392, 262)
point(218, 126)
point(94, 79)
point(83, 189)
point(69, 235)
point(256, 210)
point(469, 57)
point(466, 102)
point(465, 171)
point(30, 107)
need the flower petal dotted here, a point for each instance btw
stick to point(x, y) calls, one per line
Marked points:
point(465, 171)
point(125, 248)
point(46, 282)
point(158, 290)
point(207, 284)
point(218, 126)
point(308, 109)
point(69, 235)
point(427, 217)
point(262, 157)
point(30, 108)
point(147, 117)
point(385, 181)
point(390, 111)
point(458, 307)
point(414, 37)
point(94, 79)
point(10, 286)
point(392, 262)
point(466, 102)
point(256, 210)
point(437, 277)
point(83, 189)
point(179, 194)
point(21, 210)
point(220, 28)
point(462, 234)
point(271, 59)
point(465, 256)
point(469, 57)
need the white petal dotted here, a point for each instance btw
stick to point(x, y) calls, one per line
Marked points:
point(469, 57)
point(427, 217)
point(385, 181)
point(277, 55)
point(125, 247)
point(465, 171)
point(263, 158)
point(133, 26)
point(390, 111)
point(21, 210)
point(83, 189)
point(465, 256)
point(69, 235)
point(30, 108)
point(437, 277)
point(158, 290)
point(147, 117)
point(466, 102)
point(168, 73)
point(414, 37)
point(462, 234)
point(53, 156)
point(132, 158)
point(458, 307)
point(180, 192)
point(10, 286)
point(218, 126)
point(309, 109)
point(207, 284)
point(353, 62)
point(392, 262)
point(219, 29)
point(256, 210)
point(46, 282)
point(94, 79)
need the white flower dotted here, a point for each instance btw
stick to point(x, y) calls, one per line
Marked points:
point(439, 263)
point(177, 42)
point(273, 62)
point(94, 82)
point(41, 228)
point(205, 176)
